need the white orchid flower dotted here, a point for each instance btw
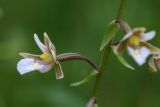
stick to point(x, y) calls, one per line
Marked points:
point(137, 46)
point(42, 63)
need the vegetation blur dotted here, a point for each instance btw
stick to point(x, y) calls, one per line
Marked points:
point(73, 26)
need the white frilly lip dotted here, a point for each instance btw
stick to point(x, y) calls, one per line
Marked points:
point(28, 64)
point(142, 55)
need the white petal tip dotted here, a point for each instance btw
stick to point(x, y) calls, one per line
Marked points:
point(140, 63)
point(44, 33)
point(21, 72)
point(149, 35)
point(58, 78)
point(35, 35)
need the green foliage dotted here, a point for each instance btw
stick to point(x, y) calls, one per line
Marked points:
point(121, 59)
point(73, 26)
point(109, 34)
point(86, 79)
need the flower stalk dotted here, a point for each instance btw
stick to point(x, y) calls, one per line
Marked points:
point(76, 56)
point(102, 68)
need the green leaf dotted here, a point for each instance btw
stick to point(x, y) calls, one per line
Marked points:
point(109, 34)
point(28, 55)
point(86, 79)
point(121, 59)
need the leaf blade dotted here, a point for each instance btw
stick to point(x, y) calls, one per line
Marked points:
point(86, 79)
point(109, 34)
point(121, 59)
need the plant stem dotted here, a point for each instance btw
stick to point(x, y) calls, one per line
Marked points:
point(99, 76)
point(105, 55)
point(124, 26)
point(121, 9)
point(102, 67)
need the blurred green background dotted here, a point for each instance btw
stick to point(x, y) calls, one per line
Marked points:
point(73, 26)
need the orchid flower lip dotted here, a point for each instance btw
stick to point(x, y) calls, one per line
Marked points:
point(139, 55)
point(27, 65)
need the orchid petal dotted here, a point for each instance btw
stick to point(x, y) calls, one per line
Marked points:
point(129, 34)
point(153, 49)
point(27, 65)
point(48, 42)
point(121, 59)
point(148, 36)
point(152, 65)
point(50, 46)
point(40, 44)
point(58, 71)
point(121, 46)
point(54, 56)
point(28, 55)
point(139, 30)
point(139, 54)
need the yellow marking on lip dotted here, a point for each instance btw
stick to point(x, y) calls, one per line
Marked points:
point(137, 52)
point(35, 65)
point(46, 57)
point(134, 40)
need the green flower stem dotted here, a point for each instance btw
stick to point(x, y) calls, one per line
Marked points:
point(124, 26)
point(121, 9)
point(102, 67)
point(105, 56)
